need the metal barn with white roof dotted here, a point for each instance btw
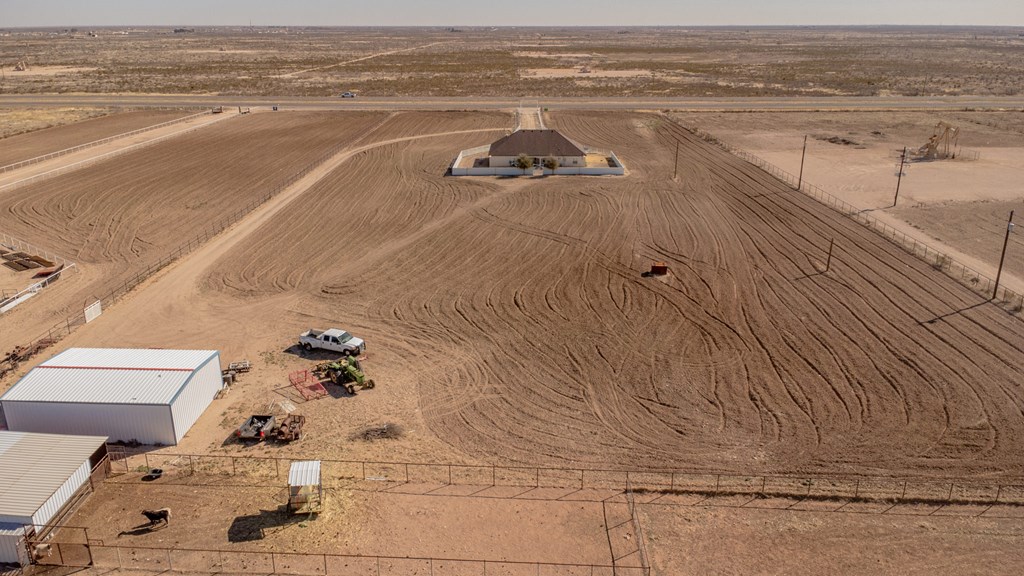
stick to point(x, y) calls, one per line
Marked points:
point(40, 475)
point(142, 395)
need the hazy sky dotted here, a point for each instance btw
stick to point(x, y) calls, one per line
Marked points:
point(15, 13)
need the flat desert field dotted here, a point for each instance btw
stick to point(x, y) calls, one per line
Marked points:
point(524, 361)
point(519, 61)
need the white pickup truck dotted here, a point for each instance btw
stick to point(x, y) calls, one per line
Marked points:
point(334, 340)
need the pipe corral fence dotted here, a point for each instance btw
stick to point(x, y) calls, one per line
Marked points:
point(337, 473)
point(10, 300)
point(211, 561)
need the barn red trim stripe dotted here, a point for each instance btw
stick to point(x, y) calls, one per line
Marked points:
point(119, 368)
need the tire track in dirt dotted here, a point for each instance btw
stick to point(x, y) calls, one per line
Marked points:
point(511, 315)
point(979, 399)
point(117, 217)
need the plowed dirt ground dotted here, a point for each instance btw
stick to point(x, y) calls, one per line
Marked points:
point(117, 217)
point(508, 319)
point(41, 142)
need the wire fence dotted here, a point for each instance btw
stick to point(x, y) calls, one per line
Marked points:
point(638, 526)
point(340, 473)
point(100, 142)
point(969, 277)
point(216, 561)
point(66, 326)
point(211, 561)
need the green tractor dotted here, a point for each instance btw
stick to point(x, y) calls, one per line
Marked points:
point(346, 372)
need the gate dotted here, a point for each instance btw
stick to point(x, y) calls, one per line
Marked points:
point(55, 546)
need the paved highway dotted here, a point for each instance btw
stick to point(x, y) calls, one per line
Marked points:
point(475, 103)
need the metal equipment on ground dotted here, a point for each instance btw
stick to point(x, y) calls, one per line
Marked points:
point(290, 429)
point(941, 145)
point(14, 358)
point(346, 372)
point(309, 387)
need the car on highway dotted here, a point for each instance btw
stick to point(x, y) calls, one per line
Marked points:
point(349, 95)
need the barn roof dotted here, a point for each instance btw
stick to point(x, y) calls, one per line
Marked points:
point(110, 376)
point(34, 466)
point(535, 143)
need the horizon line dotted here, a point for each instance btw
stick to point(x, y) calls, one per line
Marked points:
point(509, 27)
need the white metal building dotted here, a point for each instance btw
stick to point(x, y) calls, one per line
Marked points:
point(39, 475)
point(142, 395)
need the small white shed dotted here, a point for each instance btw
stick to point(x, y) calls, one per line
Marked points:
point(305, 491)
point(40, 475)
point(142, 395)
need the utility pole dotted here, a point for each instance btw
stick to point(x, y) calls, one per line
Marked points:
point(828, 263)
point(1009, 228)
point(675, 171)
point(803, 155)
point(899, 176)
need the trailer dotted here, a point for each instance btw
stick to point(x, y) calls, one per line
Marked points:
point(290, 429)
point(239, 367)
point(309, 387)
point(257, 428)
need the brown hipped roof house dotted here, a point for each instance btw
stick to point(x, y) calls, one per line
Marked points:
point(538, 144)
